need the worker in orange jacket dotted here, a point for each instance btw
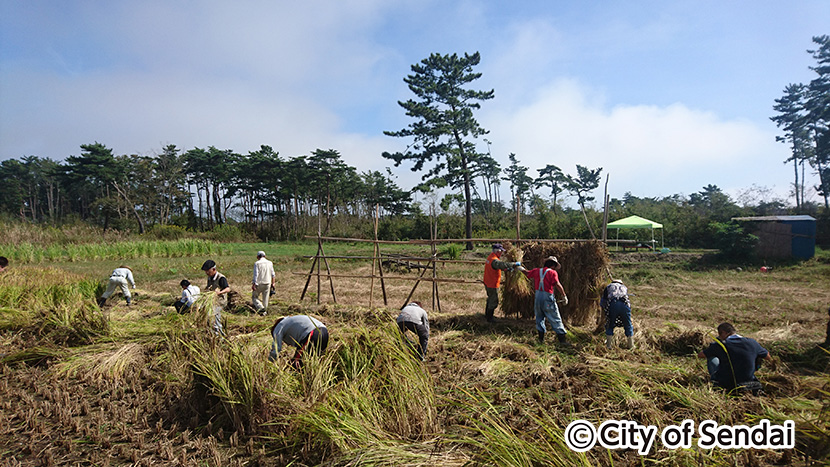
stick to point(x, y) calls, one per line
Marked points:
point(492, 278)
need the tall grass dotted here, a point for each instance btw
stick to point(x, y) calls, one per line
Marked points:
point(382, 395)
point(46, 302)
point(499, 444)
point(364, 394)
point(234, 377)
point(33, 253)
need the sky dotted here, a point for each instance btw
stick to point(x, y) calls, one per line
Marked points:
point(666, 97)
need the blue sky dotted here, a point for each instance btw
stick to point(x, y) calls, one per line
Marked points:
point(667, 97)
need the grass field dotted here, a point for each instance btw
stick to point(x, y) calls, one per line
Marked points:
point(142, 385)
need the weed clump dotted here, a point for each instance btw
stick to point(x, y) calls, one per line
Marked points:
point(47, 303)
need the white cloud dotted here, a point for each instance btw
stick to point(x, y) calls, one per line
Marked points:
point(648, 150)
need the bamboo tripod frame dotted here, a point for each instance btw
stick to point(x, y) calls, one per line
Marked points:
point(432, 261)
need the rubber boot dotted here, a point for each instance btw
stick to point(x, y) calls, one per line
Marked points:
point(629, 342)
point(609, 341)
point(541, 337)
point(128, 301)
point(562, 339)
point(101, 302)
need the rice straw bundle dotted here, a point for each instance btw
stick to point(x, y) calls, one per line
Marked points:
point(584, 265)
point(517, 292)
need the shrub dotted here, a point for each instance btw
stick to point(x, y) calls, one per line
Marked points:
point(167, 232)
point(733, 241)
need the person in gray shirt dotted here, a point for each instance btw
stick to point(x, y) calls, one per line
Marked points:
point(301, 331)
point(414, 318)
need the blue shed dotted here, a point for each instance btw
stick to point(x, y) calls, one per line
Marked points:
point(783, 237)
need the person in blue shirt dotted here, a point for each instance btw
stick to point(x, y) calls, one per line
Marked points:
point(733, 359)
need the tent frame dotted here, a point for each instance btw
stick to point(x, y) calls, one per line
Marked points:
point(651, 227)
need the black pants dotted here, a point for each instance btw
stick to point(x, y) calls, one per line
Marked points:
point(423, 337)
point(181, 307)
point(316, 341)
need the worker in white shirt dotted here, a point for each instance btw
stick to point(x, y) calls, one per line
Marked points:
point(190, 293)
point(121, 277)
point(262, 283)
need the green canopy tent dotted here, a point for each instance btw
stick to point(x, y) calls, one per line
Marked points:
point(637, 222)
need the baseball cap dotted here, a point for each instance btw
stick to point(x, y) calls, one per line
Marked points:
point(260, 253)
point(498, 247)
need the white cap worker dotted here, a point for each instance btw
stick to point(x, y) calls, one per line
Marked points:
point(121, 277)
point(264, 279)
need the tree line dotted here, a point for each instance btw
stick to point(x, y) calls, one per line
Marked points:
point(199, 189)
point(286, 198)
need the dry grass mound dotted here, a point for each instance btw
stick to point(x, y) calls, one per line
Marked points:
point(584, 265)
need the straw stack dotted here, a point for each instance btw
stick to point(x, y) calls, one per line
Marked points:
point(584, 265)
point(517, 290)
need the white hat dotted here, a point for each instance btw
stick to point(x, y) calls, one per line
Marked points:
point(260, 253)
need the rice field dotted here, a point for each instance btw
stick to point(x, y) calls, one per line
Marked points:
point(144, 385)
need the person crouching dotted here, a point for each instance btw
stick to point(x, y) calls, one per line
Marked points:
point(190, 293)
point(304, 332)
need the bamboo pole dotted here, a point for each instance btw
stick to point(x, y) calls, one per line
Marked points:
point(403, 258)
point(308, 281)
point(374, 254)
point(605, 211)
point(453, 240)
point(403, 278)
point(328, 270)
point(435, 298)
point(377, 253)
point(518, 218)
point(412, 292)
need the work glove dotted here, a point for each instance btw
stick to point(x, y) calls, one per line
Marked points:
point(564, 300)
point(517, 264)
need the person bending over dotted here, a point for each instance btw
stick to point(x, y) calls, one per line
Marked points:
point(414, 318)
point(304, 332)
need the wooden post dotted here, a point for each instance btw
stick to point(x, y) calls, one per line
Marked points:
point(328, 271)
point(308, 280)
point(436, 300)
point(319, 248)
point(374, 254)
point(518, 218)
point(412, 292)
point(605, 212)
